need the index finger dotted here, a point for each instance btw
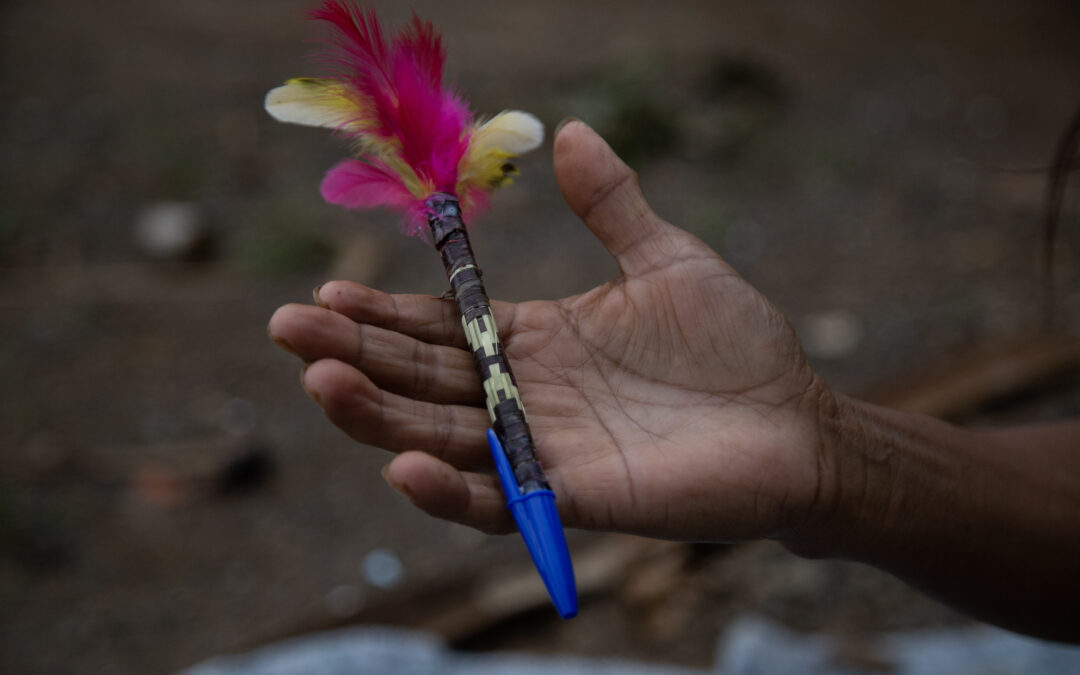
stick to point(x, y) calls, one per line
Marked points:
point(424, 317)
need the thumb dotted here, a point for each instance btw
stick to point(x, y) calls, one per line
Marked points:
point(604, 192)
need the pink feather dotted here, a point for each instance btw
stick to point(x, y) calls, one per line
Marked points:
point(401, 99)
point(367, 185)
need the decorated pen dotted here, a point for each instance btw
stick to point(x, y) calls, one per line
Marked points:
point(420, 152)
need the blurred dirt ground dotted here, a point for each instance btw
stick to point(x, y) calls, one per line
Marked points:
point(167, 492)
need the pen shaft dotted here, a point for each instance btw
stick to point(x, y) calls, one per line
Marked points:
point(500, 388)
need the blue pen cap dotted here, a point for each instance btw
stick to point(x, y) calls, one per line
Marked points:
point(538, 521)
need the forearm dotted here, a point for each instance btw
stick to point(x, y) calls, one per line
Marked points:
point(987, 521)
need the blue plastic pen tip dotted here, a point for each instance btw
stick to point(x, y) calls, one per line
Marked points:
point(538, 521)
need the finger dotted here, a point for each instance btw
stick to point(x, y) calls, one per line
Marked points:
point(393, 361)
point(604, 192)
point(444, 492)
point(432, 320)
point(453, 433)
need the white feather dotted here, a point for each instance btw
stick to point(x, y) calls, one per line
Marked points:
point(512, 131)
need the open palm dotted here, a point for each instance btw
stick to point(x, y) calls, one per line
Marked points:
point(674, 401)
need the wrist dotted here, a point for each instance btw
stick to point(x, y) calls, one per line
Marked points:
point(854, 482)
point(889, 479)
point(952, 511)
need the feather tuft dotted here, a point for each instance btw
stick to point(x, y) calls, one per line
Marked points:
point(413, 136)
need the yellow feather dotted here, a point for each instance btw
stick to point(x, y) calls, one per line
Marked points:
point(417, 187)
point(314, 103)
point(324, 103)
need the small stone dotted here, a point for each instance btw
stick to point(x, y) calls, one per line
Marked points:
point(382, 569)
point(171, 231)
point(344, 600)
point(831, 335)
point(246, 471)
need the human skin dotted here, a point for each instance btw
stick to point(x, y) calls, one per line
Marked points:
point(676, 402)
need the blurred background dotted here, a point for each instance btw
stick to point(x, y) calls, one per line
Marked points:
point(167, 491)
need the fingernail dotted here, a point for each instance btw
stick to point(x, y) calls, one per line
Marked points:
point(312, 394)
point(318, 299)
point(281, 342)
point(564, 122)
point(398, 487)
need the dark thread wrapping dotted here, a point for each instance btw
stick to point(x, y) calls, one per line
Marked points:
point(513, 432)
point(452, 242)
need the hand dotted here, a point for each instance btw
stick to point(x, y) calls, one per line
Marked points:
point(673, 401)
